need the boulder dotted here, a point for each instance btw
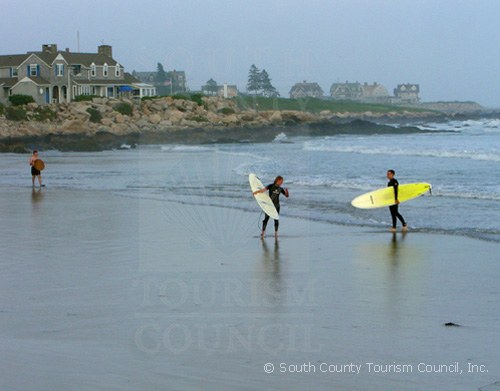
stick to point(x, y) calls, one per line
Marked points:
point(73, 127)
point(276, 118)
point(155, 119)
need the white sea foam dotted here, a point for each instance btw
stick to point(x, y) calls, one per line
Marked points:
point(185, 148)
point(449, 154)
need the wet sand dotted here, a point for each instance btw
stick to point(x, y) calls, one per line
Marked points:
point(106, 292)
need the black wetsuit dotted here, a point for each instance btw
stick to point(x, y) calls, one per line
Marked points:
point(274, 193)
point(394, 208)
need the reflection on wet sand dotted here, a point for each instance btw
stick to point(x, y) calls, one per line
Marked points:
point(36, 198)
point(390, 274)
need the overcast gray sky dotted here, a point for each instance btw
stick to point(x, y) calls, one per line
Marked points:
point(450, 47)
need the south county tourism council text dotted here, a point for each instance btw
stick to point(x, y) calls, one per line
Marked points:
point(370, 367)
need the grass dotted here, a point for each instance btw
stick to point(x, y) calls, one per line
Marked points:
point(313, 105)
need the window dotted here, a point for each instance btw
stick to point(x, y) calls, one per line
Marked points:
point(105, 70)
point(117, 70)
point(33, 70)
point(13, 72)
point(92, 70)
point(59, 70)
point(77, 70)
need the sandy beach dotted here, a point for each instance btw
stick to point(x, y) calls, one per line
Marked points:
point(105, 292)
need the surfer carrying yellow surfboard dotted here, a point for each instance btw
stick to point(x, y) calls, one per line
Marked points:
point(34, 171)
point(275, 190)
point(394, 208)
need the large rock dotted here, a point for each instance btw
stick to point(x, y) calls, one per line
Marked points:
point(155, 119)
point(276, 118)
point(175, 116)
point(73, 127)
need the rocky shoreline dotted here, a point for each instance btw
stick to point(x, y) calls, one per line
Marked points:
point(75, 127)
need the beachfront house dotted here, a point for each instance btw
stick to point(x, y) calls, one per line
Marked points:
point(224, 91)
point(374, 93)
point(174, 83)
point(304, 90)
point(53, 76)
point(406, 94)
point(346, 91)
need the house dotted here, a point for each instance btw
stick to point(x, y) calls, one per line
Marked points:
point(406, 94)
point(52, 76)
point(303, 90)
point(374, 93)
point(223, 91)
point(175, 81)
point(346, 91)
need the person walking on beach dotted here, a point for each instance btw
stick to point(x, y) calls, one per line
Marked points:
point(34, 171)
point(394, 208)
point(275, 190)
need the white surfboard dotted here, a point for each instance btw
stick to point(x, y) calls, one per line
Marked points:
point(263, 199)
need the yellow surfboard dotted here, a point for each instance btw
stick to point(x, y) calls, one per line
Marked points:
point(385, 197)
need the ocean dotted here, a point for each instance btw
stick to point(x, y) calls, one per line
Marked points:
point(460, 159)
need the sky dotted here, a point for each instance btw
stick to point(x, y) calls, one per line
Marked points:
point(451, 48)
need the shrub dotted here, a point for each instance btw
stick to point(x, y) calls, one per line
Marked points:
point(227, 110)
point(125, 108)
point(95, 115)
point(197, 98)
point(84, 98)
point(198, 119)
point(14, 114)
point(149, 97)
point(43, 113)
point(2, 108)
point(19, 100)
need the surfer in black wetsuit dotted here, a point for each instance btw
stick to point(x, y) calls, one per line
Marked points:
point(275, 190)
point(394, 208)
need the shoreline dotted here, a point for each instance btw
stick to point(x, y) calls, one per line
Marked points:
point(104, 124)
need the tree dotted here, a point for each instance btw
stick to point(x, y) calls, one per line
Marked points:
point(254, 84)
point(160, 79)
point(266, 86)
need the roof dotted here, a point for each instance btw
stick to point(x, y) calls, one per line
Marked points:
point(306, 87)
point(368, 90)
point(85, 59)
point(12, 60)
point(8, 81)
point(127, 80)
point(38, 80)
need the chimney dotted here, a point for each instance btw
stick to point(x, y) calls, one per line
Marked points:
point(67, 50)
point(52, 48)
point(107, 50)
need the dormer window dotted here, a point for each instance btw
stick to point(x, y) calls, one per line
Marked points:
point(117, 70)
point(59, 69)
point(92, 70)
point(105, 70)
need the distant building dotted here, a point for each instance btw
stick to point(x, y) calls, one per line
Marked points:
point(175, 81)
point(304, 90)
point(374, 93)
point(406, 94)
point(52, 76)
point(224, 91)
point(346, 91)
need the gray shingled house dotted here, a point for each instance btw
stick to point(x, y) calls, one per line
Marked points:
point(53, 76)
